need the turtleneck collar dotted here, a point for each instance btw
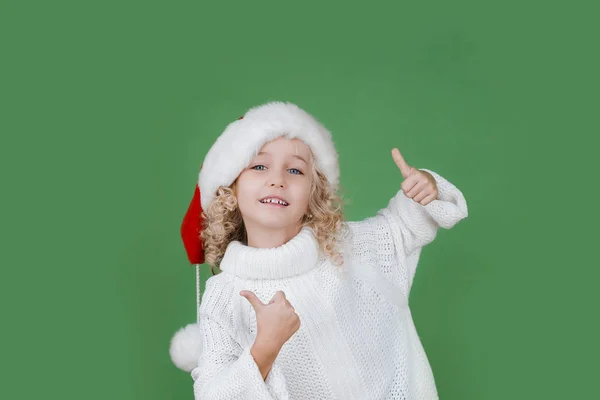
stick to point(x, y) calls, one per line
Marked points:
point(299, 255)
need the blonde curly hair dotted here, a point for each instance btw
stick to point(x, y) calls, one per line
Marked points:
point(223, 223)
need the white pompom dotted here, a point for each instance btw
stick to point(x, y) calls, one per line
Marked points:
point(186, 347)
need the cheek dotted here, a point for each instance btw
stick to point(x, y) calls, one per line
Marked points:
point(245, 195)
point(247, 209)
point(302, 195)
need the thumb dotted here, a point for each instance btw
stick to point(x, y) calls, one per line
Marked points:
point(405, 169)
point(252, 299)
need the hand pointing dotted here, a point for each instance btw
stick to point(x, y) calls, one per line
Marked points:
point(418, 185)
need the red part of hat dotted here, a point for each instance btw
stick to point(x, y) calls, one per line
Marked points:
point(191, 227)
point(190, 230)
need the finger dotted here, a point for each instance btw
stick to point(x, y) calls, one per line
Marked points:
point(421, 195)
point(418, 188)
point(428, 199)
point(409, 183)
point(278, 296)
point(414, 191)
point(252, 299)
point(405, 169)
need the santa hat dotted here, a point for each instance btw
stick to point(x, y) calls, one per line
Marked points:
point(229, 155)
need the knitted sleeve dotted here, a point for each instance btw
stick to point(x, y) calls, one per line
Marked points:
point(392, 239)
point(414, 225)
point(228, 371)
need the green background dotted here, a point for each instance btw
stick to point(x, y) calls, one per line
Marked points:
point(109, 107)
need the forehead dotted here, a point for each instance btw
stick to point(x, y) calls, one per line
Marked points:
point(284, 145)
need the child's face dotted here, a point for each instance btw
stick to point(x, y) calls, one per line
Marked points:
point(281, 169)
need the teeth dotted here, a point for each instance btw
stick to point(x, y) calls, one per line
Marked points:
point(283, 203)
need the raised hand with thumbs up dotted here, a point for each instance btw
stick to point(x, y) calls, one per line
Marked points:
point(276, 324)
point(418, 185)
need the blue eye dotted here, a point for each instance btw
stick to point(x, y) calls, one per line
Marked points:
point(260, 167)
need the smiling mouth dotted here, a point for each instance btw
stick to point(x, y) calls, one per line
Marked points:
point(274, 202)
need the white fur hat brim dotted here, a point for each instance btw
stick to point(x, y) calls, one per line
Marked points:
point(186, 347)
point(242, 139)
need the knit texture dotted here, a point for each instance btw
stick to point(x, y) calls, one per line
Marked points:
point(357, 338)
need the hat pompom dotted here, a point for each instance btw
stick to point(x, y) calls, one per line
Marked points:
point(186, 347)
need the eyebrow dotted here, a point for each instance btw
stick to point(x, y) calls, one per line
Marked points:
point(293, 155)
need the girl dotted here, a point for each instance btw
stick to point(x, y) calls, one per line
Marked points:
point(307, 305)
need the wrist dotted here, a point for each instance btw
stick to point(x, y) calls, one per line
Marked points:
point(264, 357)
point(265, 351)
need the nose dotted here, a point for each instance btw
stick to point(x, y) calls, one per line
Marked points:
point(276, 183)
point(276, 179)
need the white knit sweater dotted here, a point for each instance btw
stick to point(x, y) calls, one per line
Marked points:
point(357, 339)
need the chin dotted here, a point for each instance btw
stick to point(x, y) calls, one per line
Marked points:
point(274, 223)
point(271, 220)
